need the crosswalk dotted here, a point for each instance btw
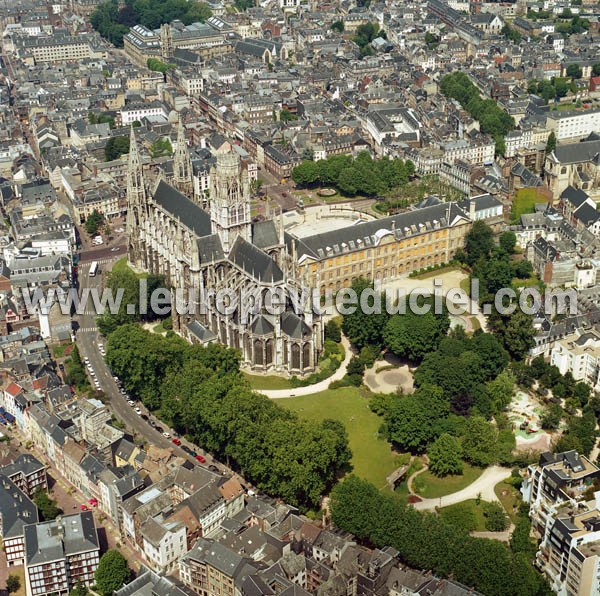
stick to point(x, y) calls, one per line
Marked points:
point(87, 264)
point(88, 329)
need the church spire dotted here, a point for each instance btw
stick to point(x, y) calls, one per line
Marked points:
point(182, 165)
point(136, 200)
point(136, 191)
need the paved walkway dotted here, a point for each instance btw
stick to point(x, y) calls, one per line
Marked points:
point(484, 485)
point(317, 387)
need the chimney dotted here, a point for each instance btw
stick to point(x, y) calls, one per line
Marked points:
point(472, 210)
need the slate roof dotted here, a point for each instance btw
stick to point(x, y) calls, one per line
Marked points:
point(43, 543)
point(255, 262)
point(575, 196)
point(201, 332)
point(210, 249)
point(16, 509)
point(183, 209)
point(367, 234)
point(294, 326)
point(587, 214)
point(583, 151)
point(264, 234)
point(25, 464)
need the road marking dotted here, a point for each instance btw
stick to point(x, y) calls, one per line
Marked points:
point(88, 329)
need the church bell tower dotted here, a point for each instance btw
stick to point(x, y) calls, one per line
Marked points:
point(229, 198)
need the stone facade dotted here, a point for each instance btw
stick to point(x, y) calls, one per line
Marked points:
point(201, 250)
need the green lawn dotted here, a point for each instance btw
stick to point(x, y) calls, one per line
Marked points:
point(121, 266)
point(468, 515)
point(524, 202)
point(510, 498)
point(429, 486)
point(259, 382)
point(373, 458)
point(59, 351)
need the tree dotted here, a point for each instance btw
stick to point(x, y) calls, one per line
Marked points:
point(574, 71)
point(47, 506)
point(429, 542)
point(511, 34)
point(157, 65)
point(13, 584)
point(115, 147)
point(445, 456)
point(94, 222)
point(501, 390)
point(79, 590)
point(412, 336)
point(523, 269)
point(495, 517)
point(551, 416)
point(414, 421)
point(516, 331)
point(478, 242)
point(508, 242)
point(285, 115)
point(365, 328)
point(256, 186)
point(112, 572)
point(480, 442)
point(551, 143)
point(338, 26)
point(161, 147)
point(333, 331)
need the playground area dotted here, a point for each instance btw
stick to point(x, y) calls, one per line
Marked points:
point(524, 413)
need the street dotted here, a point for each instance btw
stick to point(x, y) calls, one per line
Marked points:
point(87, 341)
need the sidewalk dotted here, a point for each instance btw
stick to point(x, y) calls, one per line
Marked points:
point(317, 387)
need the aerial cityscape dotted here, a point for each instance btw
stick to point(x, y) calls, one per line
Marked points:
point(300, 298)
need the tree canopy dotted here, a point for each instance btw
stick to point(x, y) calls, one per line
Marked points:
point(94, 222)
point(351, 176)
point(413, 336)
point(112, 572)
point(445, 456)
point(47, 507)
point(115, 147)
point(425, 541)
point(492, 119)
point(202, 394)
point(113, 22)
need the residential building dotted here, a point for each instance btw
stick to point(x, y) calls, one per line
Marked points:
point(60, 554)
point(28, 474)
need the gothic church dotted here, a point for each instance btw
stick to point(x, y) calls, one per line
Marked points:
point(213, 245)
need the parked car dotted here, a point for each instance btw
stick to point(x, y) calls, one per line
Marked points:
point(166, 435)
point(176, 441)
point(138, 411)
point(201, 459)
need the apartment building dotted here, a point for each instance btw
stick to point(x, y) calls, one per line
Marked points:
point(579, 354)
point(136, 111)
point(28, 474)
point(212, 569)
point(567, 518)
point(61, 554)
point(16, 511)
point(55, 49)
point(573, 124)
